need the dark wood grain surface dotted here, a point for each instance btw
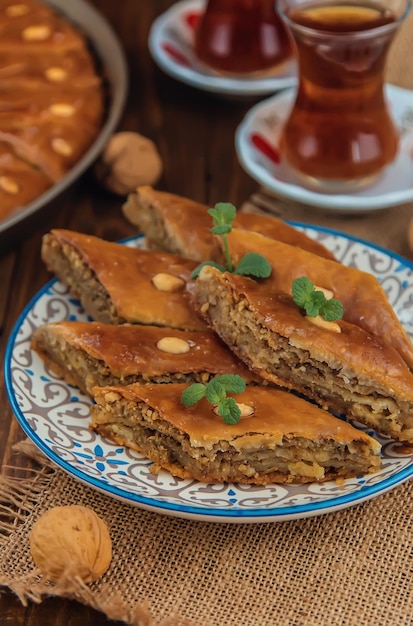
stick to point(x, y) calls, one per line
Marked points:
point(194, 132)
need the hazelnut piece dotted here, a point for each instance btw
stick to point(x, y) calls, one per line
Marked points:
point(38, 32)
point(167, 282)
point(71, 541)
point(9, 185)
point(61, 146)
point(328, 294)
point(246, 409)
point(319, 321)
point(62, 109)
point(16, 10)
point(128, 161)
point(56, 74)
point(173, 345)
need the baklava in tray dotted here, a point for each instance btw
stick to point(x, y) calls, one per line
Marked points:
point(52, 100)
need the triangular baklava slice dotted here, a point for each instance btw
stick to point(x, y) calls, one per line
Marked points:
point(117, 284)
point(87, 354)
point(280, 438)
point(340, 366)
point(364, 299)
point(182, 226)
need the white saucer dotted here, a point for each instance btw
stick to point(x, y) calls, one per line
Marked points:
point(256, 143)
point(171, 46)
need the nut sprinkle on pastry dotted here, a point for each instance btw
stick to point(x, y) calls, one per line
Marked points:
point(48, 120)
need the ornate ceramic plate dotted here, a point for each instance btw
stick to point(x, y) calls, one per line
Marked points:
point(257, 140)
point(56, 417)
point(171, 46)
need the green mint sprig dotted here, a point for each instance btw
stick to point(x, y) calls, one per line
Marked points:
point(314, 302)
point(251, 264)
point(215, 391)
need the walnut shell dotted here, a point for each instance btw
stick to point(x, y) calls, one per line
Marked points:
point(71, 541)
point(128, 161)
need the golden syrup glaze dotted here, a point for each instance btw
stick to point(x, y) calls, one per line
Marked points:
point(190, 223)
point(132, 349)
point(353, 349)
point(364, 300)
point(40, 29)
point(74, 68)
point(126, 274)
point(277, 414)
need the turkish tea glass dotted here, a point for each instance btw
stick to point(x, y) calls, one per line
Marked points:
point(242, 38)
point(340, 134)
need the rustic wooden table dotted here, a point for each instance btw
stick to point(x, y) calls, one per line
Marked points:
point(194, 132)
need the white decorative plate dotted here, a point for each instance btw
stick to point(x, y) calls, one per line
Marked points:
point(171, 46)
point(257, 139)
point(56, 417)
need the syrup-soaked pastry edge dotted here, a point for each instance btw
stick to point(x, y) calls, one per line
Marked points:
point(364, 299)
point(280, 438)
point(117, 284)
point(177, 224)
point(89, 354)
point(351, 371)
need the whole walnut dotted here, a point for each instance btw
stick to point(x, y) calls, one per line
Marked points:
point(128, 161)
point(69, 541)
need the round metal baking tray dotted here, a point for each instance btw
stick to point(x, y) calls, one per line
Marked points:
point(109, 51)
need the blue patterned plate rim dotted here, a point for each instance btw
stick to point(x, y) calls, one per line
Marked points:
point(332, 504)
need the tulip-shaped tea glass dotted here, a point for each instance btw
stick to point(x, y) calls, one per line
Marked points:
point(339, 134)
point(242, 38)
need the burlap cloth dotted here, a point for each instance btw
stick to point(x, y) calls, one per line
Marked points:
point(349, 568)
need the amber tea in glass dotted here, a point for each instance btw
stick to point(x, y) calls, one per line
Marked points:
point(242, 37)
point(340, 134)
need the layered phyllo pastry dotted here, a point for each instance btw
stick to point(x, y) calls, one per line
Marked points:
point(279, 438)
point(86, 354)
point(337, 364)
point(176, 224)
point(364, 300)
point(118, 284)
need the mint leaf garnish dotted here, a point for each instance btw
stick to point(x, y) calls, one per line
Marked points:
point(314, 302)
point(193, 394)
point(251, 264)
point(332, 310)
point(219, 267)
point(215, 391)
point(229, 410)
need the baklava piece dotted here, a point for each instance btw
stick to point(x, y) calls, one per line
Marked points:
point(340, 366)
point(52, 99)
point(364, 299)
point(87, 354)
point(280, 438)
point(181, 226)
point(119, 284)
